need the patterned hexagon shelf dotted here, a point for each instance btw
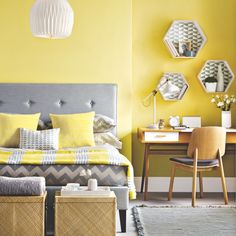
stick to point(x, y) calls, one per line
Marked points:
point(184, 39)
point(211, 69)
point(176, 79)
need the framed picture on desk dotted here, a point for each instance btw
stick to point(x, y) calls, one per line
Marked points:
point(192, 121)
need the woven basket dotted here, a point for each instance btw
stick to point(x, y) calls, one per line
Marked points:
point(22, 215)
point(85, 216)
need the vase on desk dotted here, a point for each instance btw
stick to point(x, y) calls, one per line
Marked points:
point(226, 119)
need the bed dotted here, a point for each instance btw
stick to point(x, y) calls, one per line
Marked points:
point(62, 99)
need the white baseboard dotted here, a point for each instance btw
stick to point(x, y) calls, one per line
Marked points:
point(184, 184)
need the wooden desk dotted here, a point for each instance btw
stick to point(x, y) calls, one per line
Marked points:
point(153, 138)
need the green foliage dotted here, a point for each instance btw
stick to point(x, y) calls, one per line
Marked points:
point(210, 80)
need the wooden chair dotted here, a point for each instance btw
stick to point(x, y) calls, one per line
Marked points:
point(205, 151)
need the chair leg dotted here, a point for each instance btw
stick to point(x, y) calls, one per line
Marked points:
point(201, 184)
point(194, 185)
point(222, 175)
point(171, 183)
point(194, 188)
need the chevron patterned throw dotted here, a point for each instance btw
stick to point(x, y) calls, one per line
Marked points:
point(104, 155)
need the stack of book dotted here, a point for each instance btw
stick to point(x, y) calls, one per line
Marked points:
point(181, 127)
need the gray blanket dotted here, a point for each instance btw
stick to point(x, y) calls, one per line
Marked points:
point(23, 186)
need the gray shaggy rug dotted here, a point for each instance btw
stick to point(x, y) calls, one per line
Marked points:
point(181, 220)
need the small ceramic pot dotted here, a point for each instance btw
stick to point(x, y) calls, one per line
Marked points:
point(211, 87)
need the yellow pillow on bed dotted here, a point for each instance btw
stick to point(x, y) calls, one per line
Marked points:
point(10, 125)
point(76, 130)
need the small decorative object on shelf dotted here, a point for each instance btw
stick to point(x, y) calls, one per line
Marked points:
point(210, 84)
point(184, 48)
point(161, 124)
point(218, 73)
point(179, 81)
point(220, 79)
point(224, 102)
point(184, 39)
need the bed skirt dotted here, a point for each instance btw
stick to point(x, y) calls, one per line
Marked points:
point(58, 175)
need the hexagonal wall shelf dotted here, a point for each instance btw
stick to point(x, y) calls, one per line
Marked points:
point(176, 79)
point(210, 69)
point(184, 39)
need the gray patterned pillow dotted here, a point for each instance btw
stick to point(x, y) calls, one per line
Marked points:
point(39, 140)
point(107, 138)
point(103, 123)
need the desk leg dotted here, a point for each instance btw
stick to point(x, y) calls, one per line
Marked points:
point(144, 167)
point(146, 173)
point(235, 168)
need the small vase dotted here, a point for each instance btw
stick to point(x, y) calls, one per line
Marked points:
point(220, 79)
point(211, 87)
point(226, 119)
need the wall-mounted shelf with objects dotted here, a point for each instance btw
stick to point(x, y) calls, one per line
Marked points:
point(178, 80)
point(184, 39)
point(216, 76)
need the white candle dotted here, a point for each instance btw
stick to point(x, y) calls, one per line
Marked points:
point(92, 184)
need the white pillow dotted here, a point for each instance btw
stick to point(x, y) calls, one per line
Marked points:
point(40, 140)
point(107, 138)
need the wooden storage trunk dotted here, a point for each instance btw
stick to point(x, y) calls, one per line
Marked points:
point(22, 215)
point(85, 215)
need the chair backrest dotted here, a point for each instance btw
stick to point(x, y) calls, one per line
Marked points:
point(208, 140)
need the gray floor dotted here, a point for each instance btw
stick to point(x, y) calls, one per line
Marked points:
point(178, 199)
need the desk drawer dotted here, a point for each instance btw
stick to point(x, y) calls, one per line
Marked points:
point(161, 136)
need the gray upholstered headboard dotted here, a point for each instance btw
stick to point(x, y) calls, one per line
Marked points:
point(59, 98)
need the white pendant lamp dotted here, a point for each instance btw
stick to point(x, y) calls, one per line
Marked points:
point(51, 19)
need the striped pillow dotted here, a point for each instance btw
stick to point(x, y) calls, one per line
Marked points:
point(40, 140)
point(107, 138)
point(103, 123)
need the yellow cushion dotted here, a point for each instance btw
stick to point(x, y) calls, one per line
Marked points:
point(76, 130)
point(10, 124)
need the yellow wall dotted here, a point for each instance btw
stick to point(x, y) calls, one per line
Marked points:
point(121, 41)
point(99, 50)
point(151, 19)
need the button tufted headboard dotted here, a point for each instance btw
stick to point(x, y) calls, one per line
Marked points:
point(59, 98)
